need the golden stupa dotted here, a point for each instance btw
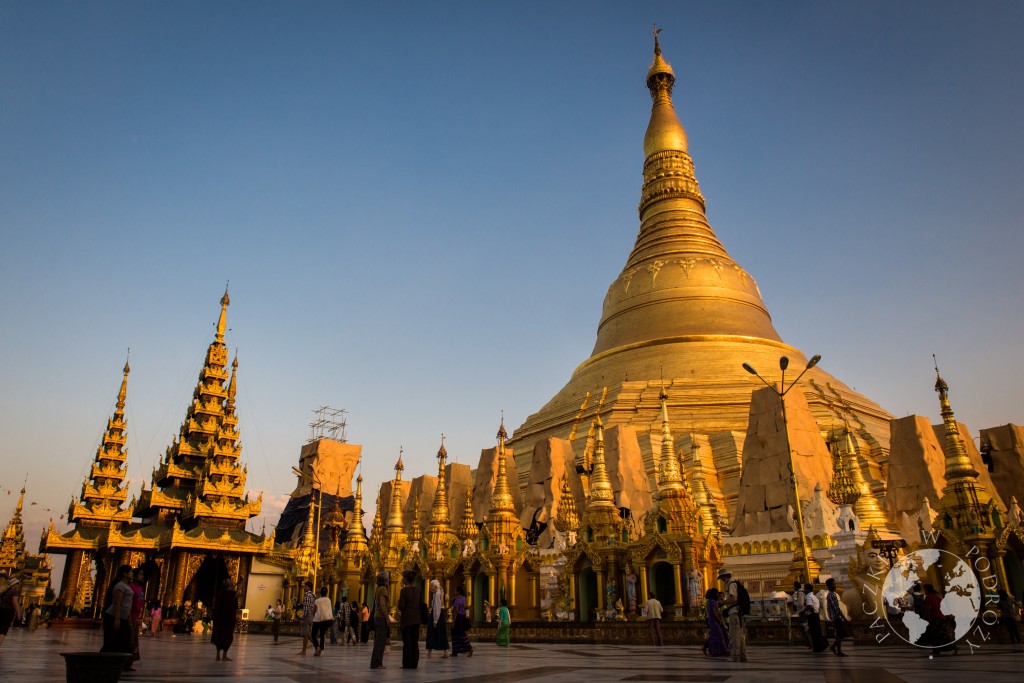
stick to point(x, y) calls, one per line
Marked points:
point(683, 316)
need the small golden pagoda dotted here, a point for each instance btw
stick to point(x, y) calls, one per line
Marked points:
point(602, 542)
point(34, 570)
point(442, 544)
point(355, 549)
point(394, 541)
point(968, 517)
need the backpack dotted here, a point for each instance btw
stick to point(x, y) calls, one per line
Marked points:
point(742, 598)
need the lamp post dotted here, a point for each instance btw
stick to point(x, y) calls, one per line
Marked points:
point(316, 485)
point(781, 393)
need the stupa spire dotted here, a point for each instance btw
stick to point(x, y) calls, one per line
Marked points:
point(567, 518)
point(103, 491)
point(601, 494)
point(501, 498)
point(670, 479)
point(964, 498)
point(439, 516)
point(468, 528)
point(958, 464)
point(355, 539)
point(395, 522)
point(222, 322)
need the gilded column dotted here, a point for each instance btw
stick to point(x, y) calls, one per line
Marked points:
point(677, 579)
point(644, 593)
point(72, 576)
point(600, 590)
point(510, 592)
point(178, 592)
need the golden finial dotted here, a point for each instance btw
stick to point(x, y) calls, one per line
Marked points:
point(656, 31)
point(222, 322)
point(501, 498)
point(502, 434)
point(670, 479)
point(233, 384)
point(398, 465)
point(395, 522)
point(439, 516)
point(123, 393)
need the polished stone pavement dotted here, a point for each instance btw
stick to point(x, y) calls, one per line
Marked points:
point(33, 657)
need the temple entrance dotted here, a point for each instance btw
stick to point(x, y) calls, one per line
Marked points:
point(151, 570)
point(204, 584)
point(479, 595)
point(588, 594)
point(663, 583)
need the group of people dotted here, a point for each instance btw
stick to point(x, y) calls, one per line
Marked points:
point(125, 611)
point(808, 609)
point(413, 611)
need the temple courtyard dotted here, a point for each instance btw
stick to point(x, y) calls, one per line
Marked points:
point(34, 658)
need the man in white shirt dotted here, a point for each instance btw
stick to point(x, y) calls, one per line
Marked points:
point(653, 613)
point(812, 610)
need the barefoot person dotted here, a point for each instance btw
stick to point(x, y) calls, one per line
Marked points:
point(225, 614)
point(308, 614)
point(437, 625)
point(381, 627)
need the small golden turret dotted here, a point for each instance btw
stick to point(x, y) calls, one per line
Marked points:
point(601, 494)
point(377, 527)
point(439, 515)
point(395, 522)
point(841, 490)
point(468, 528)
point(222, 321)
point(355, 540)
point(670, 481)
point(567, 519)
point(416, 530)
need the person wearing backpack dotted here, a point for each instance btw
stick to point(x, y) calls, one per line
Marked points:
point(736, 607)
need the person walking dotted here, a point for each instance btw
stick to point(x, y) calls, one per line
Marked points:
point(156, 617)
point(322, 619)
point(737, 629)
point(276, 615)
point(718, 644)
point(117, 634)
point(336, 613)
point(812, 617)
point(308, 615)
point(797, 615)
point(381, 607)
point(836, 611)
point(344, 612)
point(409, 620)
point(138, 608)
point(10, 606)
point(352, 623)
point(460, 625)
point(504, 624)
point(437, 624)
point(653, 612)
point(225, 615)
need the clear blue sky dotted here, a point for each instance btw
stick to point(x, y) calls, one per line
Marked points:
point(420, 206)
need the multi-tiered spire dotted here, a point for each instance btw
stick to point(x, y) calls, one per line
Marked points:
point(12, 545)
point(502, 524)
point(201, 480)
point(104, 492)
point(602, 518)
point(964, 499)
point(395, 522)
point(567, 519)
point(355, 540)
point(440, 535)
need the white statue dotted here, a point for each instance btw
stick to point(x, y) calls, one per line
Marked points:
point(1014, 512)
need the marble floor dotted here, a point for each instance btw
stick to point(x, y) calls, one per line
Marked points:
point(33, 657)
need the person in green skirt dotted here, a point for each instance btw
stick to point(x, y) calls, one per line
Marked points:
point(504, 623)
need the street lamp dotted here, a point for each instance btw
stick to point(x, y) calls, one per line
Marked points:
point(317, 485)
point(781, 393)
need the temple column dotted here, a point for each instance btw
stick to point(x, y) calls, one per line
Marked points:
point(644, 593)
point(572, 593)
point(180, 568)
point(677, 578)
point(69, 584)
point(244, 567)
point(492, 582)
point(600, 590)
point(510, 592)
